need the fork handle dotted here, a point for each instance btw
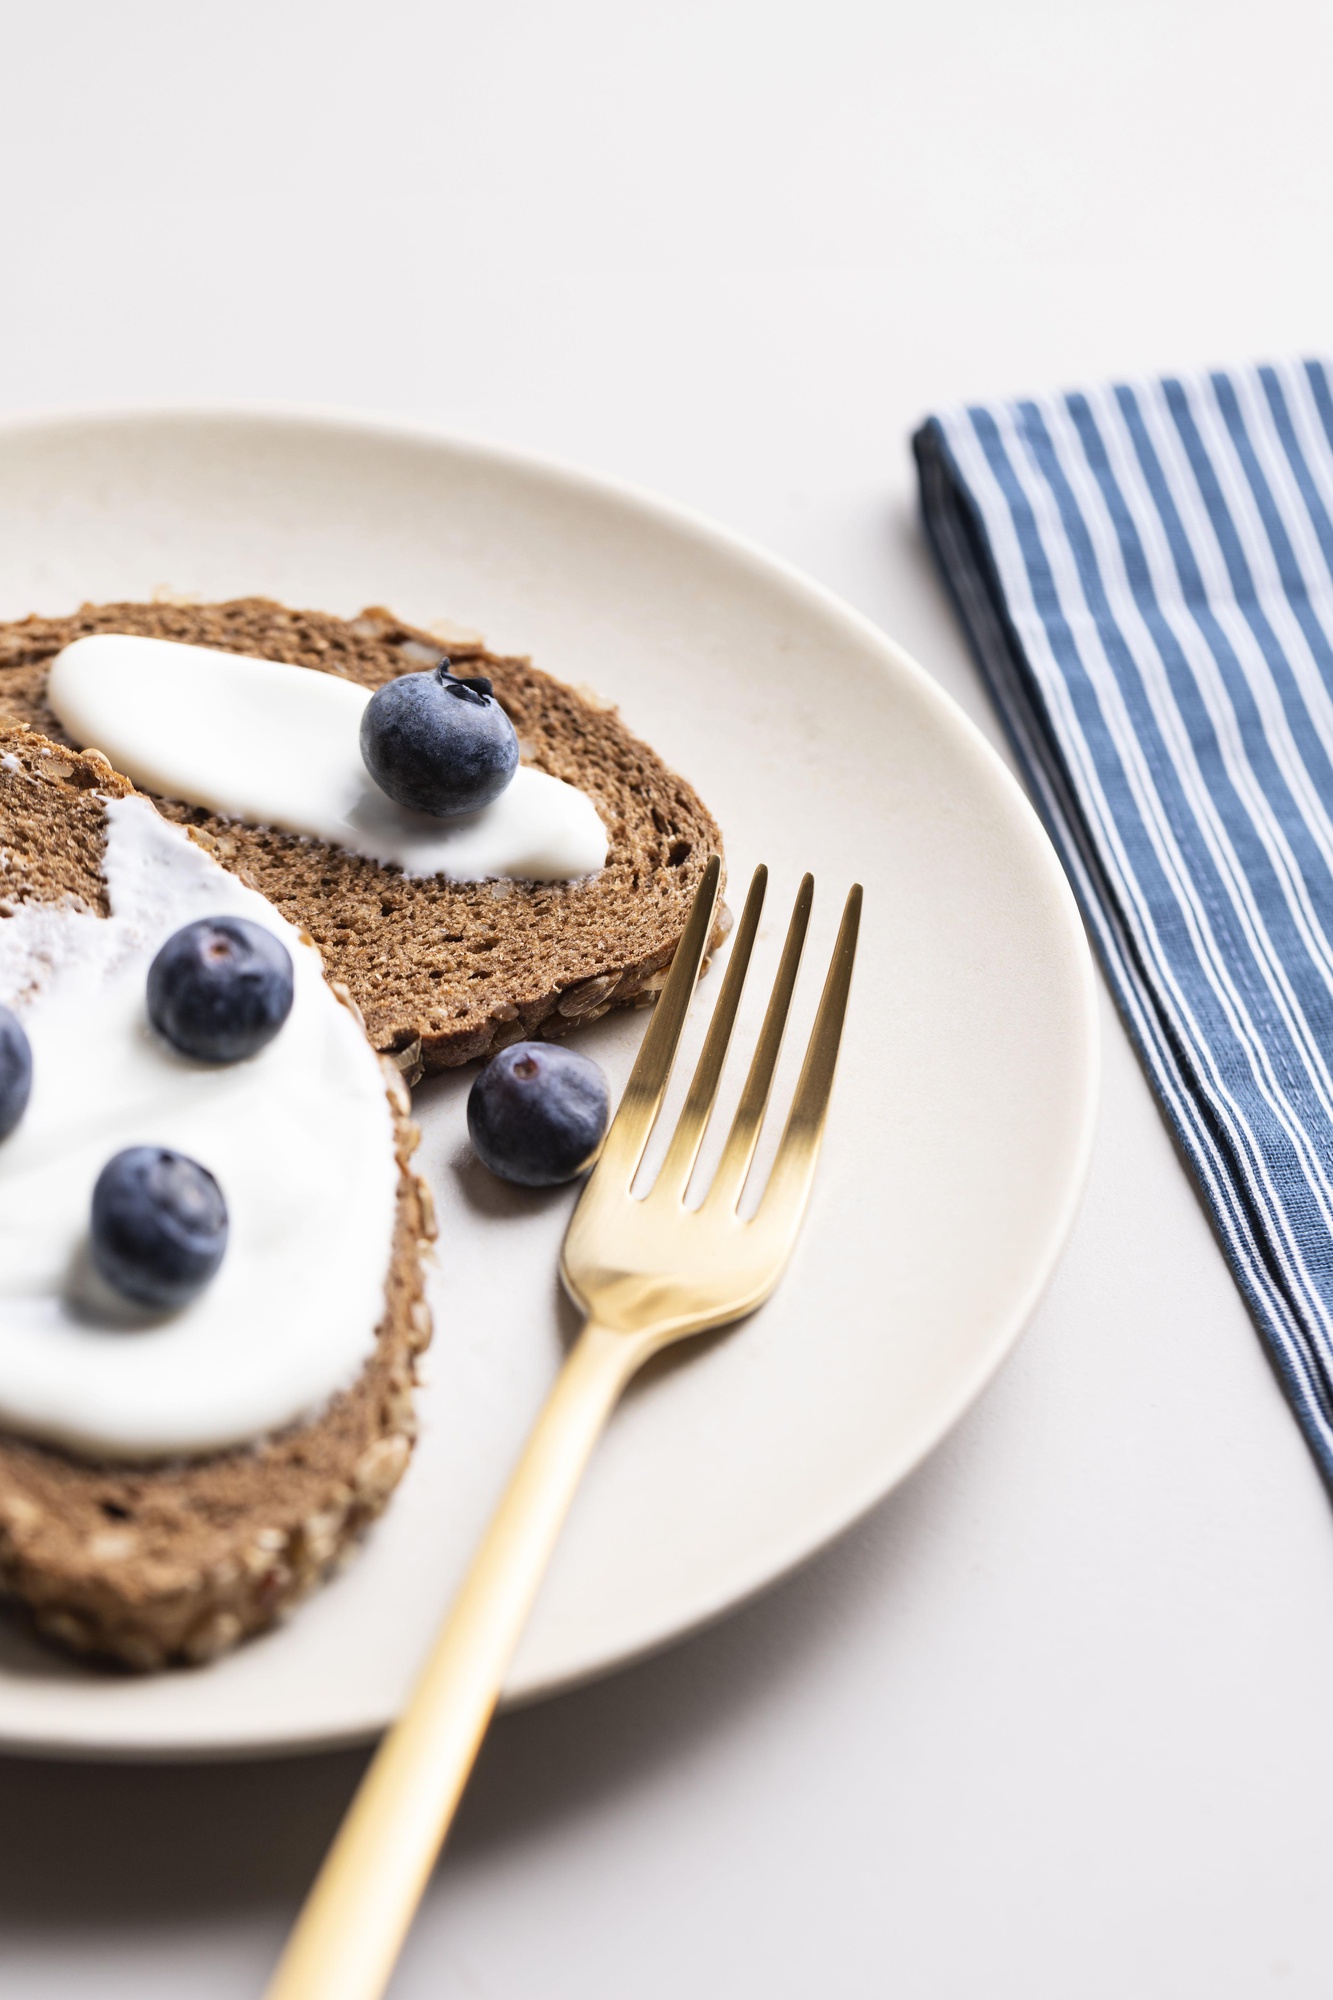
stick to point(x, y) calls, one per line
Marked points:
point(350, 1931)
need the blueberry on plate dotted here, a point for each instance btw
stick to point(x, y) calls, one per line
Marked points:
point(437, 743)
point(159, 1226)
point(15, 1071)
point(220, 988)
point(537, 1113)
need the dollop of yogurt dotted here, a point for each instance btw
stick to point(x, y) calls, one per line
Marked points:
point(300, 1137)
point(279, 746)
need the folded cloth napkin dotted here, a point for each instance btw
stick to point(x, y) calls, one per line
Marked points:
point(1145, 572)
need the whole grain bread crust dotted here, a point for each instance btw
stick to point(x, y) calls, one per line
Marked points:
point(149, 1565)
point(442, 972)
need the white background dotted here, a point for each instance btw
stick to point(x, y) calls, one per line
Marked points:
point(1058, 1719)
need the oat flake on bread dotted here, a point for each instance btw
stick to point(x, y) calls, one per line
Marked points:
point(443, 972)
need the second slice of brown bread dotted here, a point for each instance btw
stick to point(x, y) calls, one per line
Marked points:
point(150, 1564)
point(443, 972)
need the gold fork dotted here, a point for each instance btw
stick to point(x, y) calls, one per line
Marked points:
point(645, 1272)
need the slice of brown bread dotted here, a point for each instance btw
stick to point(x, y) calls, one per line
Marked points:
point(442, 972)
point(147, 1565)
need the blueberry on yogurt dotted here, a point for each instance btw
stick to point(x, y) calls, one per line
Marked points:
point(438, 743)
point(15, 1071)
point(159, 1226)
point(220, 988)
point(537, 1113)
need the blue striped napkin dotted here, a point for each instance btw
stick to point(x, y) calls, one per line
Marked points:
point(1145, 571)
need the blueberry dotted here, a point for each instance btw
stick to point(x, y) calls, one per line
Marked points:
point(15, 1071)
point(220, 988)
point(159, 1225)
point(438, 744)
point(537, 1113)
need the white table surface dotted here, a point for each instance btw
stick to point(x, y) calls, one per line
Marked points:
point(1056, 1720)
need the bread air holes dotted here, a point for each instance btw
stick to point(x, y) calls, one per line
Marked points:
point(115, 1512)
point(678, 853)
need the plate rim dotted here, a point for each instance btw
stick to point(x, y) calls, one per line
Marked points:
point(835, 1519)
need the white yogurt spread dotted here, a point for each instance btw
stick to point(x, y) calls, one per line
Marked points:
point(280, 746)
point(300, 1138)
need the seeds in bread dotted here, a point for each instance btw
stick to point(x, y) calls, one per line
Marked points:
point(148, 1565)
point(443, 972)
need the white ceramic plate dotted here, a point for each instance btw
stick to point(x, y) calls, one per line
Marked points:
point(960, 1126)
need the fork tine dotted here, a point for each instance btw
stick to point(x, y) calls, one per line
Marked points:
point(642, 1099)
point(788, 1187)
point(745, 1126)
point(674, 1177)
